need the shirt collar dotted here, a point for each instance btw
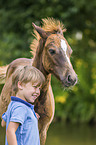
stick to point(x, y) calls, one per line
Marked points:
point(13, 98)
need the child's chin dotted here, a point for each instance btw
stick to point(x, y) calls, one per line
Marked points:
point(32, 101)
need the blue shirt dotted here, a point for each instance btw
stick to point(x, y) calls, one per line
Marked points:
point(23, 112)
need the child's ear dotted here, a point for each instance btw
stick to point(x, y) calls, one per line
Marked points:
point(20, 85)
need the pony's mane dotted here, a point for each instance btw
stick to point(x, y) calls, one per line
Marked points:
point(50, 25)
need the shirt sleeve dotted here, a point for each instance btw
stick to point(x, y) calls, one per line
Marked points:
point(18, 114)
point(4, 117)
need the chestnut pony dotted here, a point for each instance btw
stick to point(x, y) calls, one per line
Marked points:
point(51, 55)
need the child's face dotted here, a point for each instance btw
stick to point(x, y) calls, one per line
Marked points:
point(30, 92)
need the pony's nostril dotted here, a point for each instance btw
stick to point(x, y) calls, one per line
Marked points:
point(69, 78)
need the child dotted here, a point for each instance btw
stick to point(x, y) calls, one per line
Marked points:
point(20, 118)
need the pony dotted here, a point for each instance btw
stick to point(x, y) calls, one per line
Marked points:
point(51, 55)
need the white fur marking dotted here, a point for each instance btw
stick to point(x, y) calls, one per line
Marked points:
point(64, 47)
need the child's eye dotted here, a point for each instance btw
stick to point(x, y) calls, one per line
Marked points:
point(35, 86)
point(39, 88)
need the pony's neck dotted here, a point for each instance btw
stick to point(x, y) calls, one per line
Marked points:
point(37, 60)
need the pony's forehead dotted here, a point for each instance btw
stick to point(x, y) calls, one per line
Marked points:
point(56, 40)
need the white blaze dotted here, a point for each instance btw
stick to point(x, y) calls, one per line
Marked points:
point(64, 47)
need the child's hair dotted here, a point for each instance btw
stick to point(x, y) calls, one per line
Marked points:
point(26, 74)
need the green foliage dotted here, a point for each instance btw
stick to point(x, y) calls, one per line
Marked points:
point(77, 104)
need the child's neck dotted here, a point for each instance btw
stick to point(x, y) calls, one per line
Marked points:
point(19, 95)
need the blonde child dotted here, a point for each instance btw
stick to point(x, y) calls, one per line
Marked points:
point(20, 118)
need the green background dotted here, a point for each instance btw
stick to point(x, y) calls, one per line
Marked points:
point(77, 104)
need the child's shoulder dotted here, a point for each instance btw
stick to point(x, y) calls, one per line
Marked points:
point(18, 105)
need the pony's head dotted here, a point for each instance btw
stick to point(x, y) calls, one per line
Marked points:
point(56, 51)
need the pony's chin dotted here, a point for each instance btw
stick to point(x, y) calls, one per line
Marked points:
point(67, 85)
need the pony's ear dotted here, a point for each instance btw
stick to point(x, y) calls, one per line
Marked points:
point(42, 33)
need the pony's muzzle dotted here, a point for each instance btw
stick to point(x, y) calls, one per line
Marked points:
point(70, 80)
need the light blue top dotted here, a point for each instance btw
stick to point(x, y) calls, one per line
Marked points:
point(23, 112)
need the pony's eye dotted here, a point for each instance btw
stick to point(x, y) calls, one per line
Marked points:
point(52, 51)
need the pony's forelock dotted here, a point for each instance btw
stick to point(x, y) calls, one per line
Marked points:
point(48, 25)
